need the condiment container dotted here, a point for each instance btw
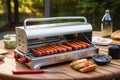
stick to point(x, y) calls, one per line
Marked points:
point(114, 51)
point(10, 41)
point(106, 24)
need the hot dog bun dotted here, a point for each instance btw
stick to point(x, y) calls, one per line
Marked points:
point(83, 65)
point(74, 63)
point(88, 69)
point(116, 35)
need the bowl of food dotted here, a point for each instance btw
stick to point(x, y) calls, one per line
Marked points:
point(10, 41)
point(101, 59)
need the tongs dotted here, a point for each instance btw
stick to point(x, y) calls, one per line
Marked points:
point(36, 71)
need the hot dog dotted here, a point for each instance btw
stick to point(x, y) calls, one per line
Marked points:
point(87, 44)
point(55, 50)
point(58, 49)
point(47, 52)
point(77, 62)
point(79, 46)
point(38, 53)
point(71, 45)
point(63, 49)
point(83, 65)
point(67, 47)
point(88, 68)
point(51, 51)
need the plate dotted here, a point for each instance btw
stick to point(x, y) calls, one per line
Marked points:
point(2, 51)
point(101, 41)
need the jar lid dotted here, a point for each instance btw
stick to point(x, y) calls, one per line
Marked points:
point(114, 46)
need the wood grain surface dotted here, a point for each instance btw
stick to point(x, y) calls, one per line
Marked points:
point(106, 72)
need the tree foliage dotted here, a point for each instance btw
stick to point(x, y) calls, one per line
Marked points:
point(93, 10)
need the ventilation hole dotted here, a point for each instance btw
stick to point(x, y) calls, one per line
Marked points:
point(18, 35)
point(19, 44)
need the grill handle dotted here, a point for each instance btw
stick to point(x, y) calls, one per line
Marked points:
point(52, 18)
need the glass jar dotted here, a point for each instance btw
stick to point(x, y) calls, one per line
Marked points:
point(10, 41)
point(106, 25)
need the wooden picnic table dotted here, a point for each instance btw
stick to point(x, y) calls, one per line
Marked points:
point(106, 72)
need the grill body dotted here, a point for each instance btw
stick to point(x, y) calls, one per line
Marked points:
point(35, 36)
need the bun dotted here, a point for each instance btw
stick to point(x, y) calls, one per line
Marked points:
point(83, 65)
point(89, 68)
point(77, 62)
point(116, 35)
point(78, 66)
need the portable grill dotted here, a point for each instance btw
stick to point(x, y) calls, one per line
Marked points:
point(51, 43)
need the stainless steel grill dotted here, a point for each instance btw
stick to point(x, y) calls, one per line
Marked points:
point(46, 44)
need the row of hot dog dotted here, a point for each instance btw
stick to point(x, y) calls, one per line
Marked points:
point(59, 48)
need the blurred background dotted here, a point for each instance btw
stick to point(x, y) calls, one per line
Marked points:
point(14, 12)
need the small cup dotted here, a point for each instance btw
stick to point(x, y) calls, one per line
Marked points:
point(114, 51)
point(10, 41)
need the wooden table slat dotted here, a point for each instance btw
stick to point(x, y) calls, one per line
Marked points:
point(106, 72)
point(114, 70)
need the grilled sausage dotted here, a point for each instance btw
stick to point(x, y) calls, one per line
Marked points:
point(88, 45)
point(43, 52)
point(71, 45)
point(67, 47)
point(38, 53)
point(55, 50)
point(47, 52)
point(83, 43)
point(63, 49)
point(79, 46)
point(58, 49)
point(51, 50)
